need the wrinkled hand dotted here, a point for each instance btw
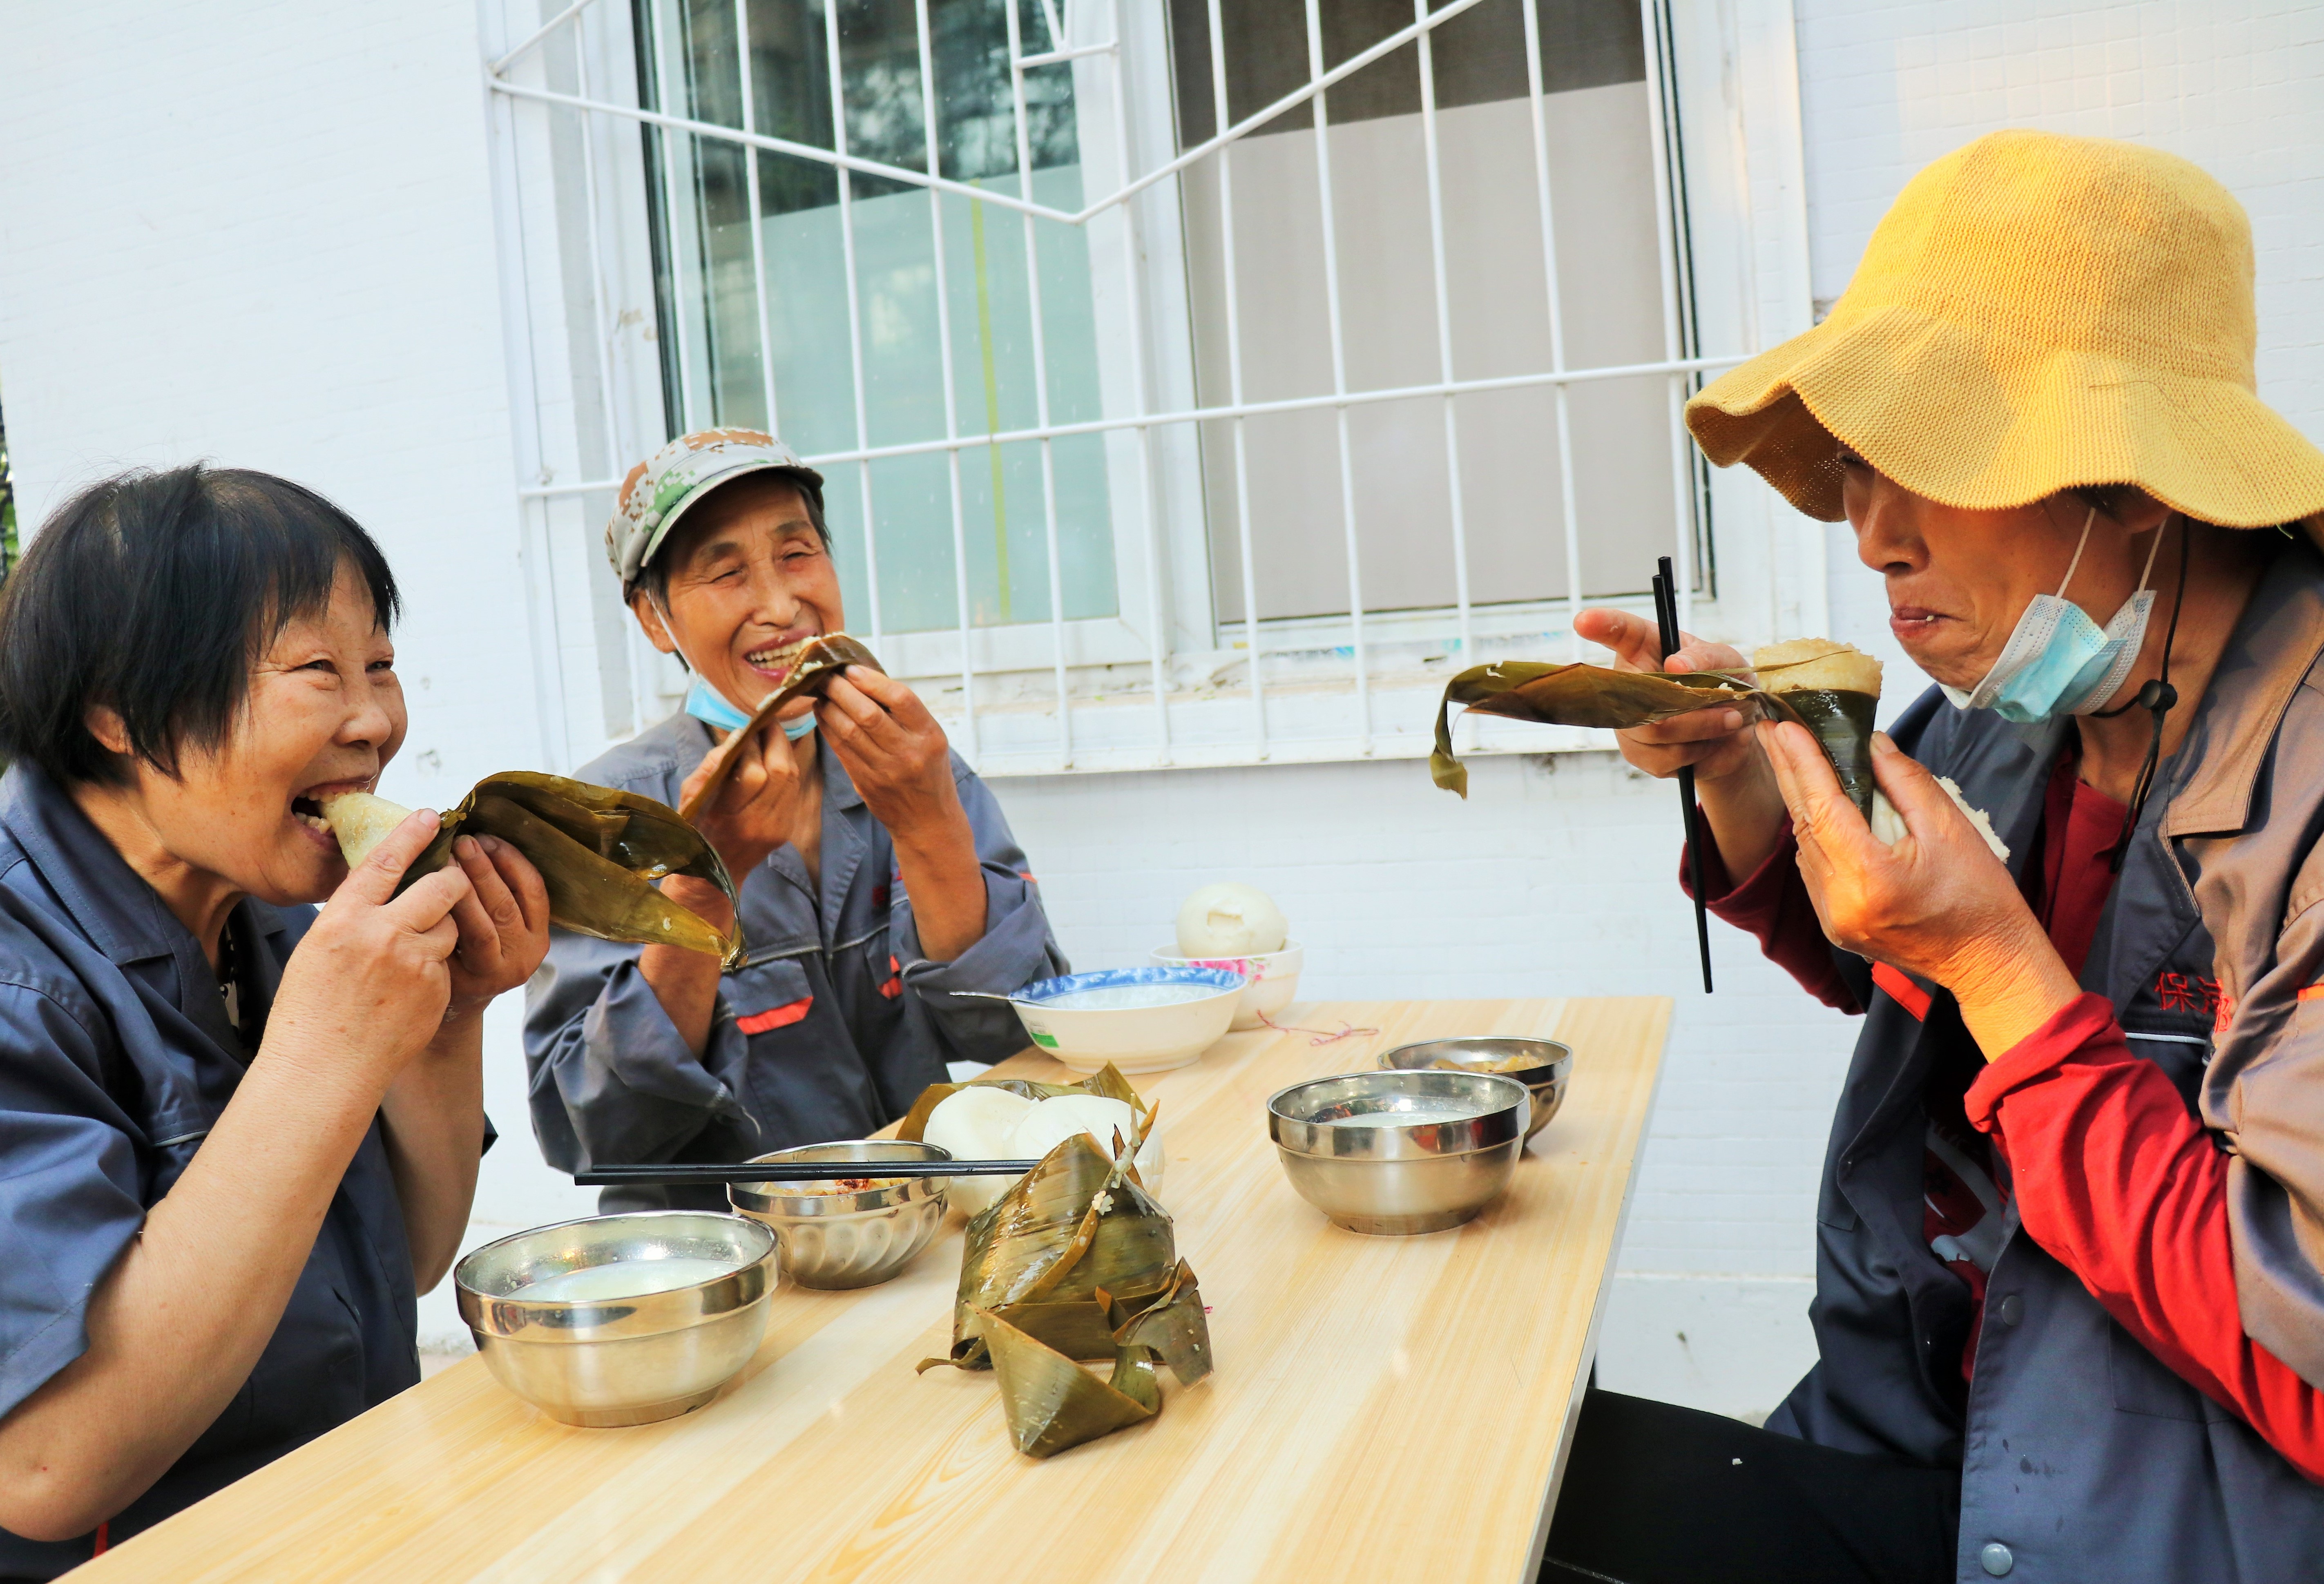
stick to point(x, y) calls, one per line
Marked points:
point(503, 924)
point(1713, 741)
point(895, 752)
point(369, 984)
point(1938, 903)
point(752, 813)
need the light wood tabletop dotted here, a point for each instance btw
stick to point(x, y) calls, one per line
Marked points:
point(1382, 1409)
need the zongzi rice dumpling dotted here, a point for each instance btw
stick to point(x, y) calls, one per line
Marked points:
point(598, 851)
point(1076, 1262)
point(1833, 689)
point(359, 820)
point(811, 670)
point(1888, 825)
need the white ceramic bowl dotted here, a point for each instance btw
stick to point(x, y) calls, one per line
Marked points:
point(1141, 1019)
point(1272, 979)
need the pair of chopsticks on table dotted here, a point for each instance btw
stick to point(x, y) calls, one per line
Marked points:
point(689, 1172)
point(1666, 619)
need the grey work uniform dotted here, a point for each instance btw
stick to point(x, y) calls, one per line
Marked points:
point(830, 1030)
point(116, 1059)
point(2082, 1455)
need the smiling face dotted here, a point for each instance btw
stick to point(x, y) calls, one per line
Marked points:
point(750, 581)
point(325, 713)
point(1959, 580)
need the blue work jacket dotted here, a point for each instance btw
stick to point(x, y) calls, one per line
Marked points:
point(115, 1060)
point(830, 1029)
point(2083, 1456)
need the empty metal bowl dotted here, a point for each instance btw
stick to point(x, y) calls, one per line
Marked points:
point(856, 1239)
point(1542, 1065)
point(599, 1360)
point(1453, 1159)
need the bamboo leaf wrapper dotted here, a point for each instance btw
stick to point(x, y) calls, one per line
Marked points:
point(599, 852)
point(1076, 1263)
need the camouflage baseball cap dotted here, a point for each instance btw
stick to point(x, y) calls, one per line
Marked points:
point(660, 489)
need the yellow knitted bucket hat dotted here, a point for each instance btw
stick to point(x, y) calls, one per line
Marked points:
point(2034, 313)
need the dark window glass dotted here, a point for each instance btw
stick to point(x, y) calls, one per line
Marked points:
point(1480, 57)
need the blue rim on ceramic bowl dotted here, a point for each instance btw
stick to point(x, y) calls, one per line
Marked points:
point(1049, 990)
point(1166, 1019)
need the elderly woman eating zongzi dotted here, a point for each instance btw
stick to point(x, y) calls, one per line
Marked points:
point(236, 1135)
point(2070, 1288)
point(876, 874)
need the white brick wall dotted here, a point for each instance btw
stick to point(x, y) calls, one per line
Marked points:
point(263, 233)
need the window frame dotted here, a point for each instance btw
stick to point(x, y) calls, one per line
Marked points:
point(584, 305)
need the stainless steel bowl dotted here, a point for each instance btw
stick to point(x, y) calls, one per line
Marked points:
point(1547, 1063)
point(1396, 1178)
point(848, 1240)
point(627, 1360)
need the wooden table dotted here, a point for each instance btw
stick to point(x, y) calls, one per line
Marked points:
point(1383, 1408)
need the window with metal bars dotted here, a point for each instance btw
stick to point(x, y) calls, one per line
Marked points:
point(875, 317)
point(1438, 253)
point(1153, 436)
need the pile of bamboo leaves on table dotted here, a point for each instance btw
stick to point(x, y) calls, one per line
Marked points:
point(1077, 1262)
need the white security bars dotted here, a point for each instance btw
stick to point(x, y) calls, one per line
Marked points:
point(1302, 395)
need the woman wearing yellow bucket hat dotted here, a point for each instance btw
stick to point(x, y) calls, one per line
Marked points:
point(2070, 1301)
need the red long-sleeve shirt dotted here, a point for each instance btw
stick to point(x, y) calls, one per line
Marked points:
point(2111, 1173)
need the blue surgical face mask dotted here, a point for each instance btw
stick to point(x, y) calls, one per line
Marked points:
point(712, 708)
point(708, 704)
point(2059, 662)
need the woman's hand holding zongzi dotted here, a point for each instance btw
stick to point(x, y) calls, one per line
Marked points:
point(901, 761)
point(1737, 793)
point(503, 924)
point(367, 988)
point(754, 813)
point(1937, 904)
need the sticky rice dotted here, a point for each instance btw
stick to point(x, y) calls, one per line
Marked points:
point(359, 820)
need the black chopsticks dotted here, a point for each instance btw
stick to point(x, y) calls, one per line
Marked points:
point(685, 1172)
point(1667, 618)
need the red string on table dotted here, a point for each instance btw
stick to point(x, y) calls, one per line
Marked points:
point(1322, 1036)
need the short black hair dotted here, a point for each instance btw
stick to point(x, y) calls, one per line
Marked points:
point(154, 593)
point(654, 575)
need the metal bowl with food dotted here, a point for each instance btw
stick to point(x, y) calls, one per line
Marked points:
point(1542, 1065)
point(1399, 1152)
point(857, 1229)
point(620, 1319)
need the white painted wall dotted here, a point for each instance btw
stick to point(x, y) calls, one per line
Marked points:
point(262, 233)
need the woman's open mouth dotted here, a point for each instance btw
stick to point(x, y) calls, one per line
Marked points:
point(307, 808)
point(776, 660)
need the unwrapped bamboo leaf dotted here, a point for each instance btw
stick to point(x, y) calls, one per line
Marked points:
point(1831, 688)
point(1175, 1328)
point(1054, 1403)
point(818, 662)
point(598, 849)
point(1572, 696)
point(1075, 1262)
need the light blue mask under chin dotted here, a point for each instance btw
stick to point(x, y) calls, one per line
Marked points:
point(2059, 662)
point(708, 704)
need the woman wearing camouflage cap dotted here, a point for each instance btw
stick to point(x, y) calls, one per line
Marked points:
point(876, 872)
